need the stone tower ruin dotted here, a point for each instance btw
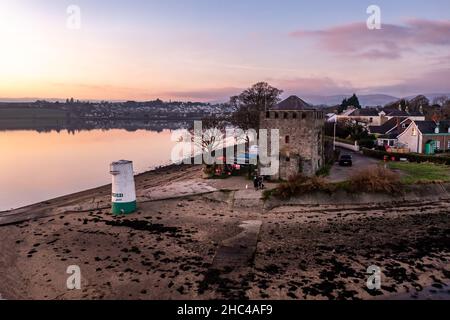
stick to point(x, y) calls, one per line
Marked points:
point(301, 137)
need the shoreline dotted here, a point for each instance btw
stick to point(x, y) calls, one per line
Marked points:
point(42, 208)
point(168, 249)
point(157, 169)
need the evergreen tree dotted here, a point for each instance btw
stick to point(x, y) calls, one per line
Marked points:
point(352, 101)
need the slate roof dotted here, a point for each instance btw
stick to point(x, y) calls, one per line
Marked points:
point(391, 136)
point(416, 114)
point(388, 125)
point(367, 112)
point(392, 112)
point(428, 127)
point(397, 113)
point(293, 103)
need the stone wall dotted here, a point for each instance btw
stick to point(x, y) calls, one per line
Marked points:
point(417, 192)
point(301, 140)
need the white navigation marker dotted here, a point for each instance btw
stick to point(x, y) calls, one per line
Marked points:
point(123, 187)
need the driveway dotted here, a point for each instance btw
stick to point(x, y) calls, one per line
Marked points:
point(360, 161)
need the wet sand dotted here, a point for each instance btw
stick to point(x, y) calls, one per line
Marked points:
point(167, 250)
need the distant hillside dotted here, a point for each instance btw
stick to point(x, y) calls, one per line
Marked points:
point(430, 96)
point(14, 100)
point(365, 100)
point(333, 100)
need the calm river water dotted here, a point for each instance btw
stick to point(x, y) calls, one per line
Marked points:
point(36, 166)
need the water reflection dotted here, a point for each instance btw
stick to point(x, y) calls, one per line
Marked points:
point(73, 126)
point(47, 161)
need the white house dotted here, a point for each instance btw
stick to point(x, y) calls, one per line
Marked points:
point(426, 136)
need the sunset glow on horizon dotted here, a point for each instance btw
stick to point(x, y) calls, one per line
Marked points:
point(209, 50)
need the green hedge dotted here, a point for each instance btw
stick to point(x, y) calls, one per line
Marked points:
point(412, 157)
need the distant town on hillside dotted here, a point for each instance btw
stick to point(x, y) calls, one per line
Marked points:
point(177, 110)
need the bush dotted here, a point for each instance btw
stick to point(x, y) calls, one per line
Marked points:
point(299, 184)
point(412, 157)
point(367, 143)
point(375, 179)
point(324, 171)
point(209, 170)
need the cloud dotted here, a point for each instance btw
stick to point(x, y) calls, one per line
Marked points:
point(390, 42)
point(299, 86)
point(313, 85)
point(435, 81)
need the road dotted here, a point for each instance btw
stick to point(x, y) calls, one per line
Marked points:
point(360, 161)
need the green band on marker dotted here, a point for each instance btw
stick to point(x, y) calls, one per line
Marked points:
point(124, 207)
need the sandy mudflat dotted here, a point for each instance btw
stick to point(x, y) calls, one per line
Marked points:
point(167, 250)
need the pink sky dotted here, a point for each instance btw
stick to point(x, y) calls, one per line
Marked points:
point(198, 50)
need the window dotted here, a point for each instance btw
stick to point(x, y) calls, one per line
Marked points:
point(267, 114)
point(414, 131)
point(285, 115)
point(286, 139)
point(438, 145)
point(448, 145)
point(294, 115)
point(288, 159)
point(370, 119)
point(403, 125)
point(276, 115)
point(303, 115)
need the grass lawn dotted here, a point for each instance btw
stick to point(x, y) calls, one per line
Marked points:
point(421, 172)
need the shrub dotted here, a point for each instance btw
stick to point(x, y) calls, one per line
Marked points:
point(299, 184)
point(412, 157)
point(324, 171)
point(367, 143)
point(375, 179)
point(209, 170)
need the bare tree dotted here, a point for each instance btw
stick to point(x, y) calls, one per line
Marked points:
point(441, 100)
point(418, 102)
point(249, 104)
point(207, 136)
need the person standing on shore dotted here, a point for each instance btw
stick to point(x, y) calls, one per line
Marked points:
point(255, 181)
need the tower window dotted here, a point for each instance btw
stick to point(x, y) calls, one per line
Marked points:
point(294, 115)
point(276, 115)
point(288, 159)
point(287, 139)
point(267, 114)
point(303, 115)
point(285, 115)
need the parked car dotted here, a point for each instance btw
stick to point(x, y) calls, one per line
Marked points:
point(345, 160)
